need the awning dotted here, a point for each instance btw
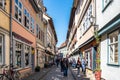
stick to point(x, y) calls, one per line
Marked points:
point(75, 52)
point(85, 43)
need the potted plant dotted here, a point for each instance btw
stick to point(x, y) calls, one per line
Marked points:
point(98, 69)
point(37, 68)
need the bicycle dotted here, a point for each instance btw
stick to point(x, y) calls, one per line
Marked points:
point(9, 74)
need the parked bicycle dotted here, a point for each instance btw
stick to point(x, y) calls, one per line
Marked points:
point(9, 73)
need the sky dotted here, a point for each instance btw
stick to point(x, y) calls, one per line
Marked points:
point(59, 11)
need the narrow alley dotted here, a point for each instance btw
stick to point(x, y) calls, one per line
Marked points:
point(82, 36)
point(54, 73)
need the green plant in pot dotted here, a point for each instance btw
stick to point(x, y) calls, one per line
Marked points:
point(37, 68)
point(98, 61)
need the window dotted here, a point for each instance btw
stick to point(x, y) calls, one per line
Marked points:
point(41, 15)
point(88, 57)
point(18, 10)
point(2, 3)
point(78, 8)
point(32, 25)
point(42, 36)
point(86, 20)
point(1, 49)
point(106, 3)
point(27, 55)
point(18, 54)
point(113, 47)
point(26, 18)
point(39, 33)
point(37, 30)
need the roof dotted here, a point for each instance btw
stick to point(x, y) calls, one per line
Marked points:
point(64, 44)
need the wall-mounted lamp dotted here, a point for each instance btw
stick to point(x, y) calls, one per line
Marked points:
point(92, 21)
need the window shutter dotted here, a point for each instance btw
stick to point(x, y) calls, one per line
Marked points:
point(94, 49)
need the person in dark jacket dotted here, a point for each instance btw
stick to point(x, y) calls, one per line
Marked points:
point(57, 62)
point(65, 67)
point(61, 64)
point(78, 65)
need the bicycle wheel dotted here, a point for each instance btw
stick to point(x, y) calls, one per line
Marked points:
point(3, 77)
point(17, 75)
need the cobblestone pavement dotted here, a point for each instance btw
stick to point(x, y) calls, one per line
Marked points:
point(38, 75)
point(76, 77)
point(56, 74)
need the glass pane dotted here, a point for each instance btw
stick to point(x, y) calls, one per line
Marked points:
point(113, 36)
point(16, 1)
point(116, 53)
point(116, 38)
point(26, 59)
point(111, 53)
point(28, 15)
point(20, 13)
point(25, 12)
point(18, 54)
point(111, 40)
point(20, 5)
point(16, 9)
point(16, 12)
point(18, 58)
point(27, 48)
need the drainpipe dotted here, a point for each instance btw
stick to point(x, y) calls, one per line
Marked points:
point(95, 12)
point(11, 39)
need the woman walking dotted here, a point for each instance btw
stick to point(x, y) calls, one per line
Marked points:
point(78, 65)
point(83, 66)
point(65, 67)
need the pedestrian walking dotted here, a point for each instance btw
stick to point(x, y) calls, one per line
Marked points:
point(83, 66)
point(61, 64)
point(78, 65)
point(73, 63)
point(65, 67)
point(57, 62)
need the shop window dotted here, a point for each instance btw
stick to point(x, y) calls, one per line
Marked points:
point(1, 49)
point(18, 10)
point(27, 55)
point(18, 54)
point(88, 57)
point(113, 47)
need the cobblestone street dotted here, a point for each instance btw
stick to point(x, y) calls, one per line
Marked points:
point(56, 74)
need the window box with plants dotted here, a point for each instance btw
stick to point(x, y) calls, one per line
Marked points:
point(37, 69)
